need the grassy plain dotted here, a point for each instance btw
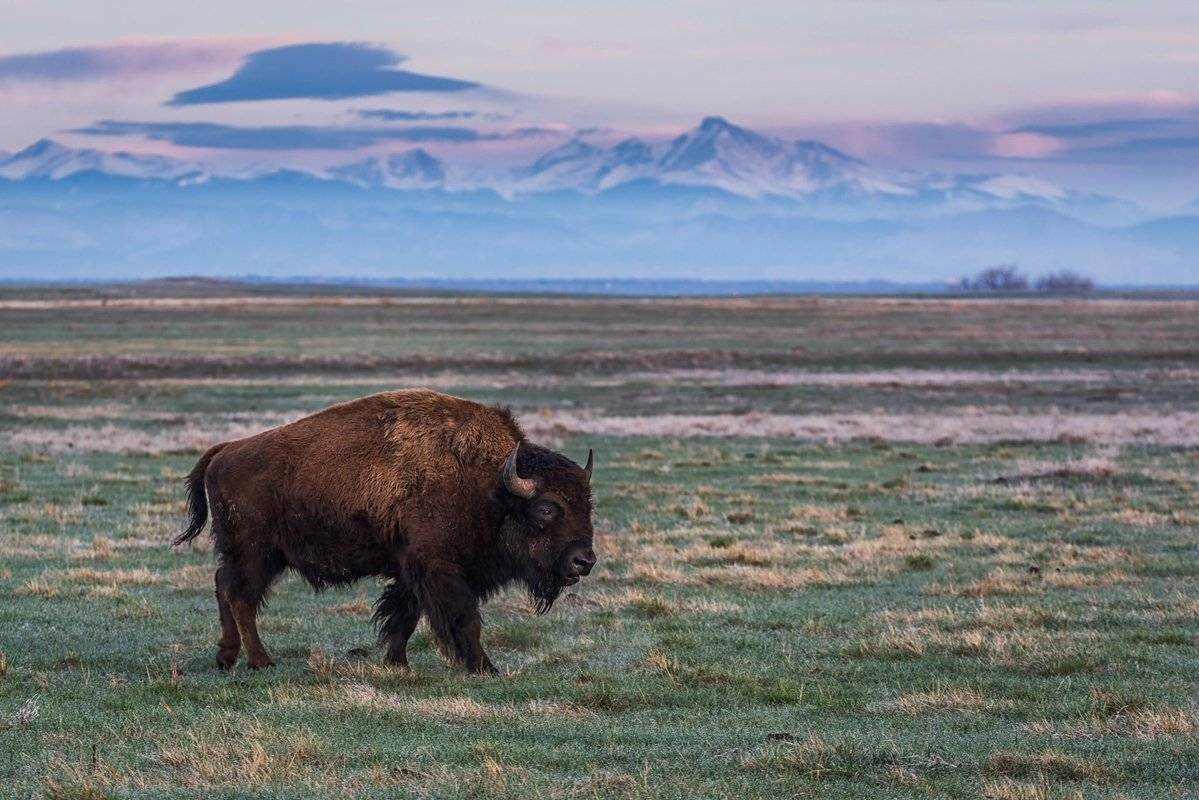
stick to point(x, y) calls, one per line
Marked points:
point(849, 548)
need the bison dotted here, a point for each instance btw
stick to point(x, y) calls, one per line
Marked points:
point(442, 496)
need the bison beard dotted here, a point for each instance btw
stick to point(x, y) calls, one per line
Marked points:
point(440, 495)
point(544, 584)
point(544, 591)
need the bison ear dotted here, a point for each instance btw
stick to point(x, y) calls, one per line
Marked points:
point(590, 463)
point(521, 487)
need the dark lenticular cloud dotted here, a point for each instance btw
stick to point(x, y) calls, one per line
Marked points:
point(391, 115)
point(329, 71)
point(1141, 151)
point(118, 60)
point(286, 137)
point(1102, 127)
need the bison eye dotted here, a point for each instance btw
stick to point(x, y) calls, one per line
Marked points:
point(544, 512)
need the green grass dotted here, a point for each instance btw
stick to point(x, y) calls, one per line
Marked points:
point(769, 617)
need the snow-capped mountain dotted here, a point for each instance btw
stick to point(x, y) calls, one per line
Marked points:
point(414, 169)
point(714, 202)
point(574, 165)
point(720, 155)
point(716, 154)
point(49, 160)
point(711, 163)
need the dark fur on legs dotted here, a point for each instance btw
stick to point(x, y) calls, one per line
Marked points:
point(229, 646)
point(397, 613)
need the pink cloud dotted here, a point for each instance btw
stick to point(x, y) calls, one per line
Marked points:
point(1026, 145)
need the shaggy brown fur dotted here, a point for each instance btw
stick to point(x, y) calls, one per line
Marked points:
point(408, 484)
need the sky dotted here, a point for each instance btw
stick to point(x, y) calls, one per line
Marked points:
point(1097, 96)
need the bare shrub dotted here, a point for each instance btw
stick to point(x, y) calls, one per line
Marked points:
point(1002, 278)
point(1065, 282)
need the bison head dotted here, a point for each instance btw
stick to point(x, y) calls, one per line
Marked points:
point(547, 529)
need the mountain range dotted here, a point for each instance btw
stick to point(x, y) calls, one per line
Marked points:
point(716, 155)
point(717, 201)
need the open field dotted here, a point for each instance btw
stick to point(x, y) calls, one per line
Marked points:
point(848, 548)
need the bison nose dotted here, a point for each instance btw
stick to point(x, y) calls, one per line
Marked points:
point(582, 563)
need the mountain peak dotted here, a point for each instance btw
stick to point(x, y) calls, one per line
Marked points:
point(575, 148)
point(416, 164)
point(633, 151)
point(42, 148)
point(410, 169)
point(47, 159)
point(418, 154)
point(716, 154)
point(571, 157)
point(714, 123)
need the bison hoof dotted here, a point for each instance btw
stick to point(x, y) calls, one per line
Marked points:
point(260, 663)
point(486, 669)
point(226, 661)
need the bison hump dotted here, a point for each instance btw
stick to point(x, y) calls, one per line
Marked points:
point(426, 427)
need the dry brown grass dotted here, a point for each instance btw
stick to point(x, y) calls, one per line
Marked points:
point(1154, 723)
point(1000, 583)
point(652, 572)
point(1008, 789)
point(249, 756)
point(465, 709)
point(40, 587)
point(220, 755)
point(1098, 466)
point(754, 554)
point(89, 582)
point(649, 604)
point(695, 511)
point(138, 576)
point(945, 699)
point(358, 607)
point(339, 696)
point(101, 548)
point(1145, 724)
point(962, 427)
point(811, 512)
point(453, 709)
point(742, 576)
point(1050, 764)
point(788, 479)
point(926, 617)
point(1138, 518)
point(1015, 617)
point(894, 643)
point(192, 578)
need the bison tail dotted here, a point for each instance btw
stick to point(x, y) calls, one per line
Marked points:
point(197, 501)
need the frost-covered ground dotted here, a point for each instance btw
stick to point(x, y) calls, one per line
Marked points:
point(847, 549)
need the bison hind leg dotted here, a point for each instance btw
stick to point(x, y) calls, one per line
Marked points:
point(243, 584)
point(229, 645)
point(397, 613)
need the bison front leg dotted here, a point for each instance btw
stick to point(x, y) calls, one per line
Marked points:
point(396, 613)
point(453, 613)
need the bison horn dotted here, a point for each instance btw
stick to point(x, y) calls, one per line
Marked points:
point(521, 487)
point(590, 462)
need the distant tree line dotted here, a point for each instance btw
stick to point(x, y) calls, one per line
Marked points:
point(1006, 278)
